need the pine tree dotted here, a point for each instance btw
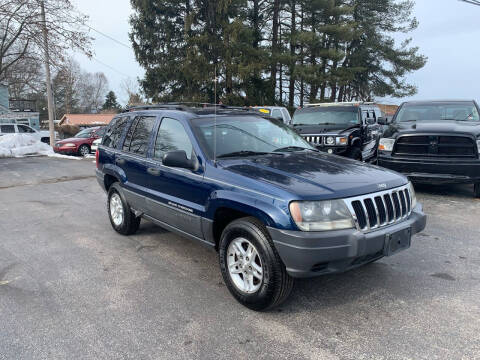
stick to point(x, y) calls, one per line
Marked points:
point(111, 102)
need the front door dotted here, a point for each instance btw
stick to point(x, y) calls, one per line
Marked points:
point(178, 196)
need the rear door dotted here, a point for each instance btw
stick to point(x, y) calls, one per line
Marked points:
point(132, 160)
point(178, 196)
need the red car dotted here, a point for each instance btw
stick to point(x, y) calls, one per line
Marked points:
point(81, 143)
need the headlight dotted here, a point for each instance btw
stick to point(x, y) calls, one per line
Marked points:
point(341, 140)
point(412, 195)
point(330, 140)
point(478, 146)
point(386, 144)
point(68, 145)
point(321, 215)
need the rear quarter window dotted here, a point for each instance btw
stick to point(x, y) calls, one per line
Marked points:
point(7, 129)
point(114, 132)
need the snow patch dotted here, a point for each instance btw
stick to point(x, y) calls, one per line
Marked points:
point(21, 145)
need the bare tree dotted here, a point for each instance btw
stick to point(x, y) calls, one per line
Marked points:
point(131, 88)
point(92, 90)
point(21, 32)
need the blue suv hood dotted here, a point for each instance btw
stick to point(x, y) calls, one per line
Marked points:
point(311, 175)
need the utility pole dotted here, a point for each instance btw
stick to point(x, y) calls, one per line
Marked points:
point(51, 125)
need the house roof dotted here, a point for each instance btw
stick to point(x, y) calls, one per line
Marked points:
point(86, 119)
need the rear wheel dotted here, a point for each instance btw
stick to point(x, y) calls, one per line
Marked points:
point(121, 216)
point(251, 267)
point(476, 190)
point(83, 150)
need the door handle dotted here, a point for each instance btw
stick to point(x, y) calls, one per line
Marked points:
point(120, 161)
point(153, 171)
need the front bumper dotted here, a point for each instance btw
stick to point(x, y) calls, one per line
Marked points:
point(436, 171)
point(310, 254)
point(337, 150)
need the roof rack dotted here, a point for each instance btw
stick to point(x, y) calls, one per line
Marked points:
point(357, 103)
point(186, 106)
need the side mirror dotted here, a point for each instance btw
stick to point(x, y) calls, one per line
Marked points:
point(382, 121)
point(178, 159)
point(370, 121)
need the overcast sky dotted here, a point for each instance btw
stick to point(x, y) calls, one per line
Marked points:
point(448, 35)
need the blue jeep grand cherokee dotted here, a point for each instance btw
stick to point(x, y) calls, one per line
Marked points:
point(273, 206)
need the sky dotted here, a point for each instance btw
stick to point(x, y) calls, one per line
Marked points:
point(448, 34)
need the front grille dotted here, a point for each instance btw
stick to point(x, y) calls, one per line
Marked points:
point(380, 209)
point(314, 139)
point(435, 146)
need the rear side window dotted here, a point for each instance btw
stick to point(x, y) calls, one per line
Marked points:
point(172, 136)
point(141, 135)
point(114, 132)
point(7, 129)
point(24, 129)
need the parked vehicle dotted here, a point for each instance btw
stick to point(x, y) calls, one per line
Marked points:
point(277, 112)
point(274, 207)
point(434, 142)
point(43, 136)
point(81, 143)
point(95, 144)
point(347, 129)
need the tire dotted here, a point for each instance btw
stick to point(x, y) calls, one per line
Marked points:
point(265, 291)
point(476, 190)
point(121, 216)
point(83, 150)
point(355, 154)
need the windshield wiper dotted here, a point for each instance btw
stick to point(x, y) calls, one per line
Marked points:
point(293, 148)
point(243, 153)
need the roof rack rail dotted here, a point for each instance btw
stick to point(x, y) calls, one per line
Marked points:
point(185, 106)
point(341, 103)
point(156, 106)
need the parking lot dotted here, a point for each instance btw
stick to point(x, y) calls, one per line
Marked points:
point(70, 287)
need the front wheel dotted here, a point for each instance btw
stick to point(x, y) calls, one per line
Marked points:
point(83, 150)
point(476, 190)
point(355, 153)
point(250, 265)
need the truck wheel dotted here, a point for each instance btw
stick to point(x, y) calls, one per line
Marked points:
point(355, 153)
point(476, 190)
point(83, 150)
point(251, 267)
point(121, 216)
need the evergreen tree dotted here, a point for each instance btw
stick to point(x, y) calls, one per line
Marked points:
point(111, 102)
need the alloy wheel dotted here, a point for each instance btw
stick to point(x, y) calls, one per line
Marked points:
point(244, 265)
point(116, 209)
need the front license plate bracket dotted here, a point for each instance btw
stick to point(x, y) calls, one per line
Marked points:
point(397, 241)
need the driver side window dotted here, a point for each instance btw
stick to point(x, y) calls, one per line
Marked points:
point(172, 136)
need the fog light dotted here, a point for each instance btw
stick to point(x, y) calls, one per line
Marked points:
point(330, 151)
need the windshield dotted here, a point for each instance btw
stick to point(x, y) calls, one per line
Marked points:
point(347, 116)
point(84, 134)
point(459, 111)
point(245, 135)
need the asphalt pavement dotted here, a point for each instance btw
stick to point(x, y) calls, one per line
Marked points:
point(71, 288)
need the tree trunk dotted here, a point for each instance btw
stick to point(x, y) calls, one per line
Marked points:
point(275, 29)
point(293, 60)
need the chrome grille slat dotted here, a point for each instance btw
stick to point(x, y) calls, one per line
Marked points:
point(368, 214)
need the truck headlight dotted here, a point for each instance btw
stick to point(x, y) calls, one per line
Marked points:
point(330, 140)
point(386, 144)
point(321, 215)
point(412, 195)
point(341, 140)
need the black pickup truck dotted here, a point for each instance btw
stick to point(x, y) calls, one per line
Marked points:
point(434, 142)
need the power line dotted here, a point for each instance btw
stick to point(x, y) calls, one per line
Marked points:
point(110, 67)
point(473, 2)
point(109, 37)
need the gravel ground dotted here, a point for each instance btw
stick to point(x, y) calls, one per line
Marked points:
point(70, 287)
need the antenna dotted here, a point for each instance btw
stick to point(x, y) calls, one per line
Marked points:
point(215, 120)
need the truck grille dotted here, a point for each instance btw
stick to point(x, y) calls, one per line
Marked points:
point(380, 209)
point(314, 139)
point(435, 146)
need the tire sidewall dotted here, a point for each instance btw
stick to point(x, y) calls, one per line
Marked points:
point(263, 296)
point(122, 228)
